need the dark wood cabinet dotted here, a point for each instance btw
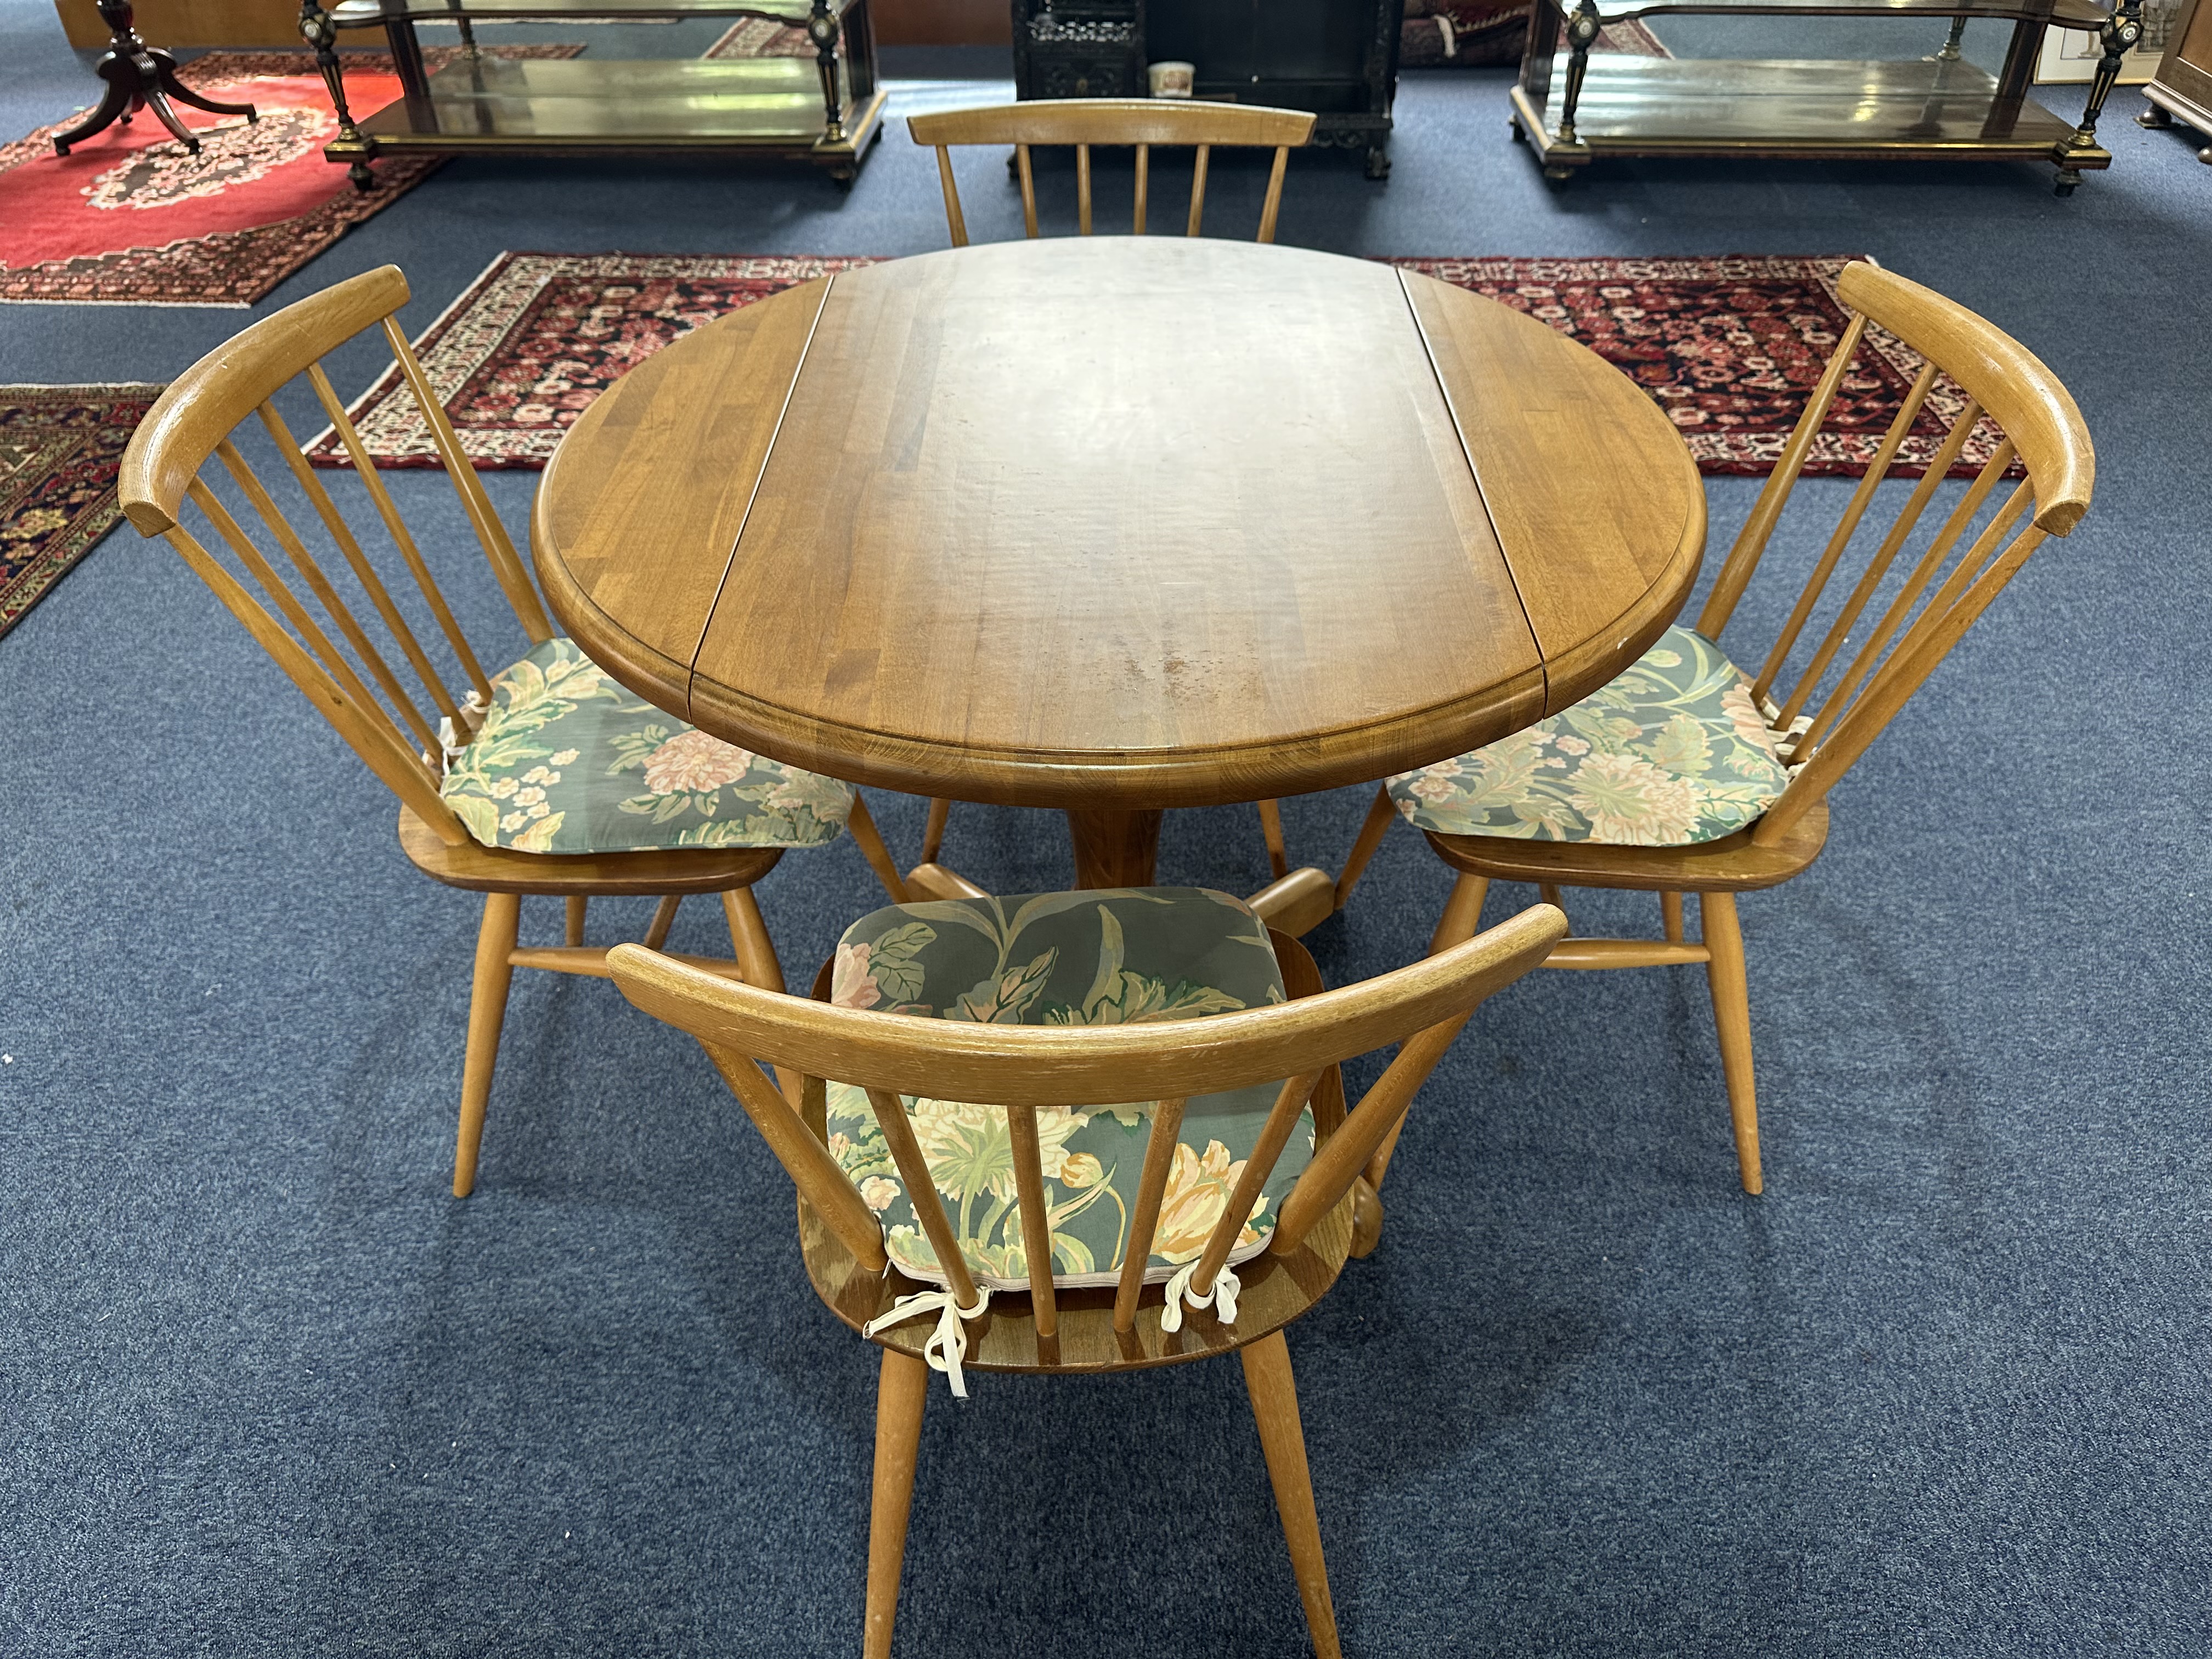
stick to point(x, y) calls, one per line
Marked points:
point(1336, 57)
point(2182, 85)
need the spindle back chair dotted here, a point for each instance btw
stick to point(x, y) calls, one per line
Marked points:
point(1845, 658)
point(898, 1058)
point(421, 694)
point(1142, 123)
point(1138, 122)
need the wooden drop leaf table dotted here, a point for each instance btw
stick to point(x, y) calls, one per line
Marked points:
point(1114, 525)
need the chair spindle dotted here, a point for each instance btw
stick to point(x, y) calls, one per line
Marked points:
point(327, 596)
point(349, 545)
point(1846, 530)
point(1145, 1219)
point(1037, 1215)
point(921, 1192)
point(1907, 520)
point(396, 527)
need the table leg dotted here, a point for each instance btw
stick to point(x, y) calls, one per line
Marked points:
point(1113, 848)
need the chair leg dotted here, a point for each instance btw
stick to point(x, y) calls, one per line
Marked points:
point(1462, 914)
point(870, 841)
point(574, 933)
point(902, 1390)
point(933, 832)
point(1275, 1408)
point(1723, 938)
point(664, 918)
point(1271, 827)
point(1670, 916)
point(756, 955)
point(748, 938)
point(502, 915)
point(1377, 824)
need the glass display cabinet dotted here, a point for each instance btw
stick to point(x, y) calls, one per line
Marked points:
point(1571, 107)
point(826, 110)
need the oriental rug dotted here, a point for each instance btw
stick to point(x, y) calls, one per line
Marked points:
point(131, 217)
point(1729, 347)
point(60, 447)
point(761, 37)
point(1487, 34)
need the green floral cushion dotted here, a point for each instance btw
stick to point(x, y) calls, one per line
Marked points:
point(569, 760)
point(1108, 958)
point(1672, 751)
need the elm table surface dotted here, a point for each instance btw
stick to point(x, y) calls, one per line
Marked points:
point(1119, 523)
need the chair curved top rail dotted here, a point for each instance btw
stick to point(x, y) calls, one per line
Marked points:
point(2008, 381)
point(216, 393)
point(1109, 121)
point(1085, 1065)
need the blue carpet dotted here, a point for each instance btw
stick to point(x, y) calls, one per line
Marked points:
point(266, 1388)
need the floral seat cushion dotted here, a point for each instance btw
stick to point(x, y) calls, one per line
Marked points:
point(568, 760)
point(1672, 752)
point(1108, 957)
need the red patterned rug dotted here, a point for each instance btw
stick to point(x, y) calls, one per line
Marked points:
point(60, 447)
point(761, 37)
point(535, 339)
point(1731, 348)
point(131, 217)
point(1487, 34)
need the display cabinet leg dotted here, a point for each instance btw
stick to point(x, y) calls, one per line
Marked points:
point(2121, 31)
point(1582, 33)
point(2067, 183)
point(822, 29)
point(2154, 118)
point(1378, 161)
point(2205, 156)
point(1950, 52)
point(319, 32)
point(1520, 133)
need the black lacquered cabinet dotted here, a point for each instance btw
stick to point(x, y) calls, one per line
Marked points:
point(1336, 57)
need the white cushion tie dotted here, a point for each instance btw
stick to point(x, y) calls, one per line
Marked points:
point(452, 738)
point(1221, 1297)
point(948, 1344)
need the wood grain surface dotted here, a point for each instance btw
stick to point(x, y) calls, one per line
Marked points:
point(1119, 522)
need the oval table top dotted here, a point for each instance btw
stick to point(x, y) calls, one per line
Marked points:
point(1119, 523)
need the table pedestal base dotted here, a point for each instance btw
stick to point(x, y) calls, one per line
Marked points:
point(1119, 849)
point(1113, 848)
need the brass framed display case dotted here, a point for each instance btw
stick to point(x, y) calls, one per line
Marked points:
point(1571, 107)
point(826, 110)
point(2181, 87)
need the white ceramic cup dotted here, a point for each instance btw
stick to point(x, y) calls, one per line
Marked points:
point(1170, 79)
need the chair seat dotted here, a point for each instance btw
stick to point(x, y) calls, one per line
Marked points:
point(1671, 753)
point(1113, 957)
point(569, 760)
